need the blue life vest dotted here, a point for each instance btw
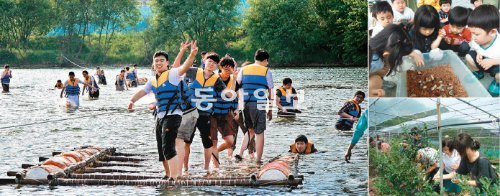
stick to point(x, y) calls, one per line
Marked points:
point(208, 95)
point(222, 107)
point(6, 79)
point(72, 88)
point(283, 98)
point(131, 75)
point(353, 113)
point(168, 96)
point(254, 79)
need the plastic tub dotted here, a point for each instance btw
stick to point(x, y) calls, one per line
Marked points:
point(470, 83)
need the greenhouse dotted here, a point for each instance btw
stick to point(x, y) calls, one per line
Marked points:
point(405, 132)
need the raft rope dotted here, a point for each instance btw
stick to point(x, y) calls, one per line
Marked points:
point(63, 119)
point(74, 62)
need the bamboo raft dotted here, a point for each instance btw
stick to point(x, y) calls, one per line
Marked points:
point(88, 165)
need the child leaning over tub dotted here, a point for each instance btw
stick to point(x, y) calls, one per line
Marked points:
point(425, 30)
point(455, 35)
point(485, 45)
point(386, 51)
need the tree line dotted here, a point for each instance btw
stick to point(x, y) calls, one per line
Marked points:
point(295, 32)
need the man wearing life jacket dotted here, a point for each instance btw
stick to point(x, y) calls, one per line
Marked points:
point(100, 75)
point(121, 82)
point(257, 84)
point(93, 94)
point(130, 76)
point(169, 104)
point(302, 146)
point(223, 117)
point(72, 90)
point(5, 78)
point(203, 93)
point(135, 72)
point(285, 96)
point(350, 112)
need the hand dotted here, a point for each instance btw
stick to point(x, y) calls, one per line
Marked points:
point(130, 106)
point(151, 106)
point(184, 45)
point(479, 58)
point(454, 166)
point(442, 33)
point(488, 63)
point(447, 40)
point(269, 114)
point(235, 72)
point(60, 96)
point(283, 109)
point(436, 177)
point(236, 115)
point(194, 47)
point(347, 155)
point(419, 61)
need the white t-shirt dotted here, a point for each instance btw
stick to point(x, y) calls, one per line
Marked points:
point(174, 79)
point(492, 52)
point(449, 161)
point(377, 29)
point(407, 15)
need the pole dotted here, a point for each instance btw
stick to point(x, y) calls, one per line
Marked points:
point(438, 104)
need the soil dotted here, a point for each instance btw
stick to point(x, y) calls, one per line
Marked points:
point(439, 81)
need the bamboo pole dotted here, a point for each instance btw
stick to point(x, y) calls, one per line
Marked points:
point(238, 182)
point(438, 103)
point(103, 170)
point(142, 177)
point(122, 159)
point(106, 164)
point(126, 154)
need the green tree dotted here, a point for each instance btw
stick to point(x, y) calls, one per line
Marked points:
point(22, 19)
point(211, 22)
point(287, 29)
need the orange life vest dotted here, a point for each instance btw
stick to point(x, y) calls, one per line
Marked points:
point(309, 145)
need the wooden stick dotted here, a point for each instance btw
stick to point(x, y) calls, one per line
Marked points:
point(102, 170)
point(56, 153)
point(126, 154)
point(11, 173)
point(122, 159)
point(106, 164)
point(27, 165)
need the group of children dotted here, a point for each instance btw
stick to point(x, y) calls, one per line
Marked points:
point(398, 32)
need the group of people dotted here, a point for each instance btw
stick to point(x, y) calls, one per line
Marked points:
point(460, 155)
point(190, 98)
point(399, 32)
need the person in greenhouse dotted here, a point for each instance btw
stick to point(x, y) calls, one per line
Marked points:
point(417, 141)
point(427, 159)
point(451, 161)
point(473, 162)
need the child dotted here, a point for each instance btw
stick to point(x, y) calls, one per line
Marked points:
point(302, 146)
point(130, 76)
point(93, 94)
point(121, 83)
point(72, 90)
point(5, 78)
point(402, 13)
point(425, 30)
point(444, 11)
point(350, 112)
point(476, 3)
point(59, 84)
point(100, 75)
point(456, 36)
point(386, 51)
point(485, 47)
point(286, 94)
point(382, 12)
point(433, 3)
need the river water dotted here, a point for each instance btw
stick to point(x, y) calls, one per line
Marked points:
point(106, 123)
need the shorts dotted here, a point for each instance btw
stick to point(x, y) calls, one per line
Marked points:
point(5, 87)
point(493, 69)
point(222, 124)
point(342, 127)
point(166, 132)
point(203, 125)
point(188, 123)
point(254, 119)
point(74, 100)
point(94, 94)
